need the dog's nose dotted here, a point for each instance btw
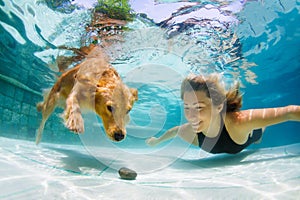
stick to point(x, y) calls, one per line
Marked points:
point(119, 136)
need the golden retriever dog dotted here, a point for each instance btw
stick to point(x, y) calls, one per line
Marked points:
point(91, 85)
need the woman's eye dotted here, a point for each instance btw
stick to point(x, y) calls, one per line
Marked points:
point(110, 109)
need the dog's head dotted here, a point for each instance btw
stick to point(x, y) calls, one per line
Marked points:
point(113, 102)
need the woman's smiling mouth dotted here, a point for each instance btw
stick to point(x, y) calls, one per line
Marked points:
point(195, 125)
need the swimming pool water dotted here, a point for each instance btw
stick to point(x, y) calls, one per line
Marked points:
point(255, 42)
point(266, 35)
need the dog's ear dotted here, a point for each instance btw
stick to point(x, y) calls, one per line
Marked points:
point(100, 89)
point(134, 93)
point(108, 76)
point(110, 72)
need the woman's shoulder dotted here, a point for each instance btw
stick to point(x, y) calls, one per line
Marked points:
point(237, 120)
point(236, 117)
point(237, 126)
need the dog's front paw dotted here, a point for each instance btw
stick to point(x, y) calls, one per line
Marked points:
point(75, 122)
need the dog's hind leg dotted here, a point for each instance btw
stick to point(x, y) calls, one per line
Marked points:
point(39, 132)
point(46, 107)
point(56, 97)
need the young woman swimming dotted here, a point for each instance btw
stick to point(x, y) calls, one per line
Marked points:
point(215, 122)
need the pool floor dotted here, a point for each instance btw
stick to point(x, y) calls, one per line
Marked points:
point(53, 171)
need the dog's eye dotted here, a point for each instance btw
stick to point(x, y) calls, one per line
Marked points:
point(110, 109)
point(128, 111)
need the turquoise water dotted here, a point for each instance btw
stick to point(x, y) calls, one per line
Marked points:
point(255, 42)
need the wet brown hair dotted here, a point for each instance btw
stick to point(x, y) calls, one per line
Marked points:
point(214, 90)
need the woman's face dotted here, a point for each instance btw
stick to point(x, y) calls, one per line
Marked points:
point(199, 110)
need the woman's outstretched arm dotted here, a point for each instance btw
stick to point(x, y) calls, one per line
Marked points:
point(169, 134)
point(184, 131)
point(258, 118)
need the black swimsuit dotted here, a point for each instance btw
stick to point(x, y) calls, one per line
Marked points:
point(222, 143)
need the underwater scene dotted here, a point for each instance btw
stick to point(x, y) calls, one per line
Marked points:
point(92, 100)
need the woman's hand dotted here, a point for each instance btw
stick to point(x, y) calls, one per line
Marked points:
point(169, 134)
point(153, 141)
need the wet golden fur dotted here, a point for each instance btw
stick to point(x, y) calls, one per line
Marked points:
point(93, 85)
